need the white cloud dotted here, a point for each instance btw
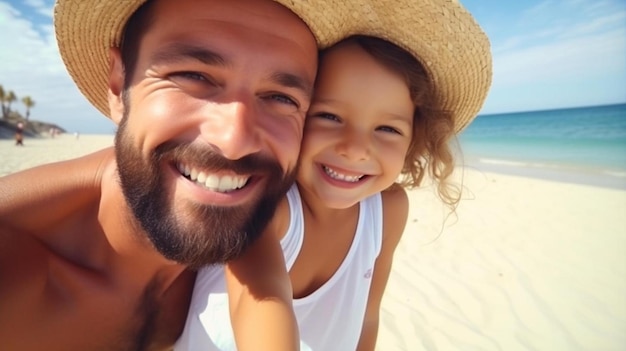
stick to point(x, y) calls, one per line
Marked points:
point(31, 65)
point(595, 25)
point(586, 57)
point(564, 47)
point(40, 7)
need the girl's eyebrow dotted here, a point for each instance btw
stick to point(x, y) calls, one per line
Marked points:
point(179, 52)
point(401, 118)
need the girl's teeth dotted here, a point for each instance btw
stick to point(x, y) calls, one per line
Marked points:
point(347, 178)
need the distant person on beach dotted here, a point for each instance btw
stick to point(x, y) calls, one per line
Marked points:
point(210, 98)
point(19, 134)
point(379, 122)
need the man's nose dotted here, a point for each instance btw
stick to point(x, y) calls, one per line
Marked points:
point(234, 129)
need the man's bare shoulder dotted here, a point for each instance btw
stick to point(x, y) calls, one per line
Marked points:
point(38, 195)
point(62, 285)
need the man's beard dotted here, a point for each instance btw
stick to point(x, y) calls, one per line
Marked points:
point(194, 234)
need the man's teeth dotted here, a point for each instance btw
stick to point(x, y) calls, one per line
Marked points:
point(346, 178)
point(211, 181)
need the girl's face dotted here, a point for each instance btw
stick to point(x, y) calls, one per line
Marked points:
point(358, 129)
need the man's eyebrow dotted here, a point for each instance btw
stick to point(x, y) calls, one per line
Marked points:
point(178, 52)
point(293, 81)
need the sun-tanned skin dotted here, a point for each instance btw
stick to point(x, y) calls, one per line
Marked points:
point(68, 285)
point(77, 271)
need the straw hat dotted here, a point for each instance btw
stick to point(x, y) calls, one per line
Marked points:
point(440, 33)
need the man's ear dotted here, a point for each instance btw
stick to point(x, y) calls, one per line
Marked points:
point(116, 85)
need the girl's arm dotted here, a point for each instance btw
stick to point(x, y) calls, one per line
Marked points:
point(260, 298)
point(395, 213)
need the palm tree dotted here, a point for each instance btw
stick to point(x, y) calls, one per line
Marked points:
point(29, 103)
point(9, 99)
point(3, 96)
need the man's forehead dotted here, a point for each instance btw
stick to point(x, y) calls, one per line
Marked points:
point(263, 11)
point(266, 16)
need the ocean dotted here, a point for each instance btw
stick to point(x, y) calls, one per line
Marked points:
point(581, 145)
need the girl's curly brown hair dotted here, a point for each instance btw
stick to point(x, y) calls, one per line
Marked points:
point(433, 128)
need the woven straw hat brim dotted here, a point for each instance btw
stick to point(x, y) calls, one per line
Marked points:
point(441, 34)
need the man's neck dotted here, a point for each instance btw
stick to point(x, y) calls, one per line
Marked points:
point(127, 240)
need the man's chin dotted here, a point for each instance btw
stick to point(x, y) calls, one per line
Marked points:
point(205, 235)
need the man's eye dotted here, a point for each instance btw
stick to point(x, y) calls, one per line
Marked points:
point(280, 103)
point(189, 75)
point(196, 84)
point(283, 99)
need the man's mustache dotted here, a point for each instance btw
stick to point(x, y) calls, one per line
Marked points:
point(207, 158)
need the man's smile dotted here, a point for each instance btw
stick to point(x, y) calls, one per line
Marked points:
point(213, 181)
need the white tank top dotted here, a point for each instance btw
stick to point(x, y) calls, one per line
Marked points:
point(329, 318)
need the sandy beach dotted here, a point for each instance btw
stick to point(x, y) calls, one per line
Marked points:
point(523, 264)
point(37, 151)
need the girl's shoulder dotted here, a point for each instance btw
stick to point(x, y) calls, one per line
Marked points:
point(394, 198)
point(280, 220)
point(395, 212)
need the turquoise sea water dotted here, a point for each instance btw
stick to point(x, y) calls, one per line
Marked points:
point(583, 145)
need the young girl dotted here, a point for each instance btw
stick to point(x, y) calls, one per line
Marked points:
point(375, 116)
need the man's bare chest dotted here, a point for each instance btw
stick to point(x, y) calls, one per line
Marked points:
point(47, 303)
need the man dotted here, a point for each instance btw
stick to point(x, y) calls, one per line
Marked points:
point(210, 97)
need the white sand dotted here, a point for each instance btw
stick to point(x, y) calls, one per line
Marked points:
point(38, 151)
point(525, 264)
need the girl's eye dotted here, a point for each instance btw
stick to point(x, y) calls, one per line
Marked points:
point(389, 129)
point(328, 116)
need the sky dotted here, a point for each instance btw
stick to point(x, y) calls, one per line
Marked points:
point(547, 54)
